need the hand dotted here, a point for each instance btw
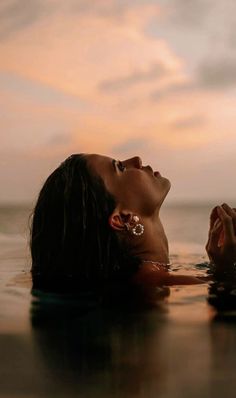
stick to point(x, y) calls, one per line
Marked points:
point(221, 245)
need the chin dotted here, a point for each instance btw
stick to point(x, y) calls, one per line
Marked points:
point(169, 184)
point(166, 185)
point(166, 189)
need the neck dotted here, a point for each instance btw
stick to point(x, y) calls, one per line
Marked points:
point(154, 244)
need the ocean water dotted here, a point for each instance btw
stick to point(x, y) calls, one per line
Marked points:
point(184, 347)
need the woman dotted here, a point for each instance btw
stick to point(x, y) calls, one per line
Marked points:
point(96, 225)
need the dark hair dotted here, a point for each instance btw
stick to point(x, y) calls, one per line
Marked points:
point(73, 247)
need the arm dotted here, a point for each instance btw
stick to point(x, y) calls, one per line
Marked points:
point(172, 279)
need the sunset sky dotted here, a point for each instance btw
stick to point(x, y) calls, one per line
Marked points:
point(122, 78)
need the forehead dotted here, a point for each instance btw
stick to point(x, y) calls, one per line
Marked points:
point(97, 161)
point(100, 164)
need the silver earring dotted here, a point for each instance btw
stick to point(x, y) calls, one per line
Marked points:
point(138, 230)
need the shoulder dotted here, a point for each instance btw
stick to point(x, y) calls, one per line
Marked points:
point(149, 276)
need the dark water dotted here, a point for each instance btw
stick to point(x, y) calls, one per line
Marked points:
point(184, 347)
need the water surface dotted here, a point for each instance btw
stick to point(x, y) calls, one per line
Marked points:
point(183, 347)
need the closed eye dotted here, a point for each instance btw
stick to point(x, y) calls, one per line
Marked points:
point(121, 166)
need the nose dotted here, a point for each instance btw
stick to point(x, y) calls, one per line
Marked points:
point(136, 161)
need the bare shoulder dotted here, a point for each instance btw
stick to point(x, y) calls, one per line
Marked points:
point(149, 275)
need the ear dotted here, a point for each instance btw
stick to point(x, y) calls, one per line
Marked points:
point(119, 219)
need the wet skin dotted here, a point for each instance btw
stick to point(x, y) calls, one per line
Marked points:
point(139, 191)
point(134, 186)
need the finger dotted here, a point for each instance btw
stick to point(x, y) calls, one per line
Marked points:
point(213, 217)
point(234, 209)
point(228, 209)
point(221, 239)
point(216, 229)
point(217, 224)
point(228, 225)
point(212, 245)
point(231, 212)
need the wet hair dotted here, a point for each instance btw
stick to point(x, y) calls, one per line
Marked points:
point(73, 247)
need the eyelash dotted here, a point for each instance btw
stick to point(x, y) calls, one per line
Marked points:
point(120, 166)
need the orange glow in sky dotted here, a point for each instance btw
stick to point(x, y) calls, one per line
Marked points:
point(153, 78)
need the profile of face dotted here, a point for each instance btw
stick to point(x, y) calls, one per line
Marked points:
point(136, 188)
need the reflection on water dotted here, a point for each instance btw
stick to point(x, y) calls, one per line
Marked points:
point(185, 346)
point(141, 353)
point(98, 353)
point(222, 296)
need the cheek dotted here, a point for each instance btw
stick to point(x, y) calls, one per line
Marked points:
point(145, 186)
point(147, 194)
point(140, 192)
point(153, 194)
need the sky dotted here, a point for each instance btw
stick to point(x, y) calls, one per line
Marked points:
point(154, 78)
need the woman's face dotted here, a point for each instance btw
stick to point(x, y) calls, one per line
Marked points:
point(134, 186)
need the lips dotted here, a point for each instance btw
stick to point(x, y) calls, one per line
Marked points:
point(154, 173)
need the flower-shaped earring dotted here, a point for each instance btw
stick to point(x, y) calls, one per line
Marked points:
point(138, 229)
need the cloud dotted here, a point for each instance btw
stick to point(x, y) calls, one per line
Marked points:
point(201, 32)
point(219, 73)
point(185, 15)
point(155, 71)
point(130, 145)
point(190, 122)
point(102, 8)
point(37, 91)
point(172, 89)
point(18, 14)
point(112, 9)
point(189, 13)
point(214, 74)
point(60, 139)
